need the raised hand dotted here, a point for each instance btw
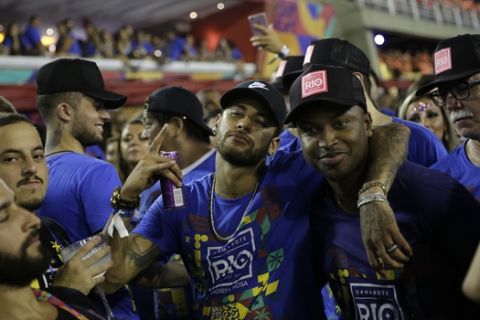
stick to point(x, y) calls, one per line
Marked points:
point(268, 41)
point(148, 170)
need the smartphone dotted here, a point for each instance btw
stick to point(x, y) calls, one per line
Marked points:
point(258, 18)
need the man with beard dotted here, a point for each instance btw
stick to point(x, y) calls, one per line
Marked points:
point(73, 102)
point(24, 170)
point(456, 83)
point(439, 217)
point(23, 258)
point(244, 230)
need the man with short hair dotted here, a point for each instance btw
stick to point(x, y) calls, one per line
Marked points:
point(24, 170)
point(424, 147)
point(438, 216)
point(23, 258)
point(73, 102)
point(244, 230)
point(456, 80)
point(182, 111)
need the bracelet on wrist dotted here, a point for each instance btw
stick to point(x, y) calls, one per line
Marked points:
point(118, 203)
point(284, 51)
point(371, 197)
point(372, 184)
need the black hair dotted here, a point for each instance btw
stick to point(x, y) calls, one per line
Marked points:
point(192, 129)
point(11, 118)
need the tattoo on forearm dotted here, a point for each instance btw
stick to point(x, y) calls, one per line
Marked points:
point(138, 256)
point(388, 151)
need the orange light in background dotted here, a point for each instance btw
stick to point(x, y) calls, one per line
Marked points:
point(2, 36)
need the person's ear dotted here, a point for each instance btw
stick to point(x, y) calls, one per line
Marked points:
point(64, 112)
point(273, 147)
point(176, 125)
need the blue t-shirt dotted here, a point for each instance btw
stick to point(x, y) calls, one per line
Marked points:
point(78, 198)
point(265, 269)
point(424, 147)
point(31, 37)
point(459, 167)
point(439, 219)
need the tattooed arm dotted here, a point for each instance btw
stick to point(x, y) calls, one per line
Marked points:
point(388, 150)
point(133, 253)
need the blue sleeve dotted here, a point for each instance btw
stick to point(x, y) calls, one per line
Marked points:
point(424, 148)
point(160, 226)
point(96, 189)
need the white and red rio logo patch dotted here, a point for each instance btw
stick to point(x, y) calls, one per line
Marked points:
point(313, 83)
point(443, 60)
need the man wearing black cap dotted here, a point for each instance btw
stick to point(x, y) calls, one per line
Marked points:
point(190, 137)
point(182, 111)
point(424, 147)
point(73, 102)
point(244, 231)
point(438, 216)
point(457, 76)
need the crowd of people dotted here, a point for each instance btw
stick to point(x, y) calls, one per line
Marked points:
point(88, 40)
point(296, 198)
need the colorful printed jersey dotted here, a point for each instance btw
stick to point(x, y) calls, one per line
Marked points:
point(439, 219)
point(265, 270)
point(459, 167)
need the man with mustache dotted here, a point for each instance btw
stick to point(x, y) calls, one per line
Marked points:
point(438, 216)
point(24, 170)
point(73, 103)
point(456, 83)
point(22, 259)
point(244, 230)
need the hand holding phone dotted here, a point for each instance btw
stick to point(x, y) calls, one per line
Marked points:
point(258, 19)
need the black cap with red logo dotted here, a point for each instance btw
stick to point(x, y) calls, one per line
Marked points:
point(320, 83)
point(454, 59)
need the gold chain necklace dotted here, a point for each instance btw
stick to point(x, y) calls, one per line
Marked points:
point(211, 214)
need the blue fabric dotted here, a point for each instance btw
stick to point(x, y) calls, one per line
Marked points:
point(95, 151)
point(78, 198)
point(459, 167)
point(439, 219)
point(31, 37)
point(174, 304)
point(266, 268)
point(424, 147)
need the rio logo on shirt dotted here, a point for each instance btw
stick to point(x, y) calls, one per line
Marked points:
point(231, 263)
point(376, 302)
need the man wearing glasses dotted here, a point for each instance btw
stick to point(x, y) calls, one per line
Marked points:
point(457, 76)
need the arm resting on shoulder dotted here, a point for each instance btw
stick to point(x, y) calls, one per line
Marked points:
point(388, 151)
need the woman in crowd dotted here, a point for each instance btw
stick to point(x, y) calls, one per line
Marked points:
point(133, 146)
point(426, 113)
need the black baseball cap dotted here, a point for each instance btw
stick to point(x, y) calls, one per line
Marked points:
point(259, 90)
point(67, 75)
point(321, 83)
point(289, 69)
point(454, 59)
point(178, 101)
point(337, 52)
